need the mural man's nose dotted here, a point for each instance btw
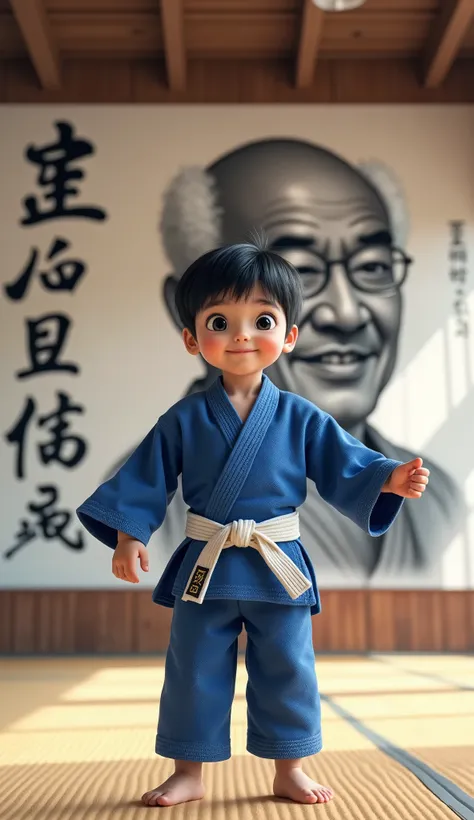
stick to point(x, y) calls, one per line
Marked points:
point(339, 306)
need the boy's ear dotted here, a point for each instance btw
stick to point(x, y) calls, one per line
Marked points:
point(291, 339)
point(190, 342)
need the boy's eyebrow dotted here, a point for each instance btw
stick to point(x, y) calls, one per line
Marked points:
point(232, 301)
point(267, 302)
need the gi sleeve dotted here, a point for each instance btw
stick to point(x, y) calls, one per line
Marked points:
point(135, 499)
point(350, 476)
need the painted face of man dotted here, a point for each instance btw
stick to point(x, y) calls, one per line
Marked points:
point(327, 220)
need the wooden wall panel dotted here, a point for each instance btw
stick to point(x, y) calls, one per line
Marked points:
point(400, 82)
point(342, 624)
point(144, 81)
point(470, 617)
point(128, 622)
point(406, 620)
point(152, 624)
point(457, 632)
point(6, 625)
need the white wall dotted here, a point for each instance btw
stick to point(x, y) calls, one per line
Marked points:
point(133, 365)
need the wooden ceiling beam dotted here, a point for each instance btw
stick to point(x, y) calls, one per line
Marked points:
point(309, 41)
point(33, 23)
point(445, 40)
point(172, 20)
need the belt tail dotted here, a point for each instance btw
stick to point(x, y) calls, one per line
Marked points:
point(201, 574)
point(283, 567)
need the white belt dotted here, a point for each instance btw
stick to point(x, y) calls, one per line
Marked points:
point(261, 537)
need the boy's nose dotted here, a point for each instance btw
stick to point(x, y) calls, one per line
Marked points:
point(243, 336)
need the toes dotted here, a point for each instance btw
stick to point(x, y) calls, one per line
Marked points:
point(150, 798)
point(309, 796)
point(323, 795)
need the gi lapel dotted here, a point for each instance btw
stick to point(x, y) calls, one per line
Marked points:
point(245, 441)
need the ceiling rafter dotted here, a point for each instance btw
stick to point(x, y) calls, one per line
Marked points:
point(172, 19)
point(447, 35)
point(33, 23)
point(309, 40)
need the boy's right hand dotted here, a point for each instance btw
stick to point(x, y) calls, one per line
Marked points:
point(125, 557)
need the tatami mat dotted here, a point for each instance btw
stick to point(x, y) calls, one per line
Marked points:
point(77, 739)
point(368, 787)
point(456, 763)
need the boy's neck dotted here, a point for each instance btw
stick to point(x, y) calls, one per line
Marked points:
point(244, 387)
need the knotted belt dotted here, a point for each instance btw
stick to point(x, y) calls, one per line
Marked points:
point(244, 533)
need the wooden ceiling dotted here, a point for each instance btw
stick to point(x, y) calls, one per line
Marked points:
point(49, 32)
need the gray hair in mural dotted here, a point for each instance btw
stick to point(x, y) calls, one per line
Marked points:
point(345, 228)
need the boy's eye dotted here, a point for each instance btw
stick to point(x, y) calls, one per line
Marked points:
point(265, 322)
point(217, 323)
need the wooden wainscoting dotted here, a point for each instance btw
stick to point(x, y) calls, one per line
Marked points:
point(89, 622)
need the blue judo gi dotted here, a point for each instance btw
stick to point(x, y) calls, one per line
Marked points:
point(233, 470)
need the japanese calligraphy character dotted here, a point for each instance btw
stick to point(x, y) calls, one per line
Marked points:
point(458, 253)
point(64, 275)
point(460, 305)
point(17, 435)
point(64, 448)
point(462, 328)
point(67, 449)
point(458, 275)
point(456, 230)
point(45, 339)
point(55, 175)
point(50, 523)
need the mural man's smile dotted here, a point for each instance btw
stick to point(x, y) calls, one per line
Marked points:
point(336, 362)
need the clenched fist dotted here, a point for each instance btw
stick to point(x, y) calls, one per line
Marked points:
point(125, 557)
point(408, 480)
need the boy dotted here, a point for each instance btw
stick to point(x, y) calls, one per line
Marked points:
point(245, 450)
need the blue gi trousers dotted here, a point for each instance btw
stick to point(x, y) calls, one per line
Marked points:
point(283, 706)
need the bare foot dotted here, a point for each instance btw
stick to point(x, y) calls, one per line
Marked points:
point(296, 785)
point(179, 788)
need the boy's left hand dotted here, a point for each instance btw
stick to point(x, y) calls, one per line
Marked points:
point(408, 480)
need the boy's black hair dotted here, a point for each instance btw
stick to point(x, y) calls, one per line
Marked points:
point(232, 271)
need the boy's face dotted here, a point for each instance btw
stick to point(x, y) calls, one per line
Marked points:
point(241, 337)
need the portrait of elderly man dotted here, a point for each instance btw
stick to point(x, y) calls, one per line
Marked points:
point(344, 227)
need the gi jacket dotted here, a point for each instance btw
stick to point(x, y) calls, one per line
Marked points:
point(231, 470)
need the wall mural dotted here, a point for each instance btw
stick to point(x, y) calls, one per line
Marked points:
point(343, 227)
point(344, 224)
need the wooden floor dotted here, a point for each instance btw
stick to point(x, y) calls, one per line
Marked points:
point(77, 741)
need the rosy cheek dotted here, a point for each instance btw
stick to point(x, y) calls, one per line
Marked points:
point(269, 344)
point(212, 344)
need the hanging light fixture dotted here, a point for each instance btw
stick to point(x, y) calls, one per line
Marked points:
point(338, 5)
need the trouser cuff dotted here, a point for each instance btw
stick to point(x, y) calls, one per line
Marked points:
point(284, 749)
point(192, 750)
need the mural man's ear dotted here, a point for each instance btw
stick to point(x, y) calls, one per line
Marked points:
point(190, 225)
point(390, 189)
point(190, 222)
point(169, 291)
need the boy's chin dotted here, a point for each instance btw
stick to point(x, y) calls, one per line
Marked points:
point(241, 365)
